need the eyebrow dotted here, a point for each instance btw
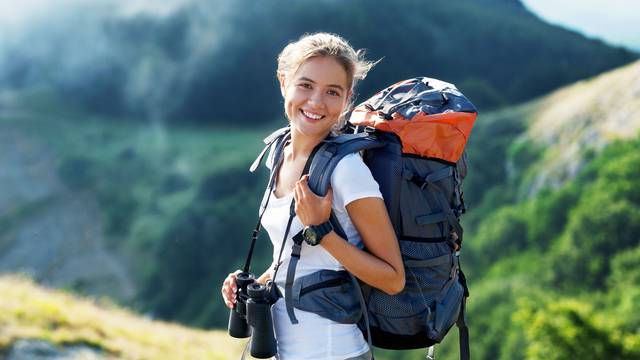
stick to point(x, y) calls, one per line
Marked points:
point(311, 81)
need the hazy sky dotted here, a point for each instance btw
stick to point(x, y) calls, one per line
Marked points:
point(615, 21)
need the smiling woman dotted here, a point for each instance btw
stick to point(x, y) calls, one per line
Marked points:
point(315, 96)
point(317, 74)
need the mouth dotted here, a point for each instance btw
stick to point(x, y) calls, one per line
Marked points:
point(311, 116)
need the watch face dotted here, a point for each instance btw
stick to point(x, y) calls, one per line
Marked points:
point(310, 236)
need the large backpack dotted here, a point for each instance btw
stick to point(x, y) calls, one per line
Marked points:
point(412, 136)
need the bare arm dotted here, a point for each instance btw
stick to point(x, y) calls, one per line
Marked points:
point(381, 266)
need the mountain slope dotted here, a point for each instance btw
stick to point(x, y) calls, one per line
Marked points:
point(214, 61)
point(100, 329)
point(541, 144)
point(584, 117)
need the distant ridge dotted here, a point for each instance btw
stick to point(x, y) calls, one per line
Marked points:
point(570, 122)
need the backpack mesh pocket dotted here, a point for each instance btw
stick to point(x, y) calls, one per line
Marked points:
point(428, 268)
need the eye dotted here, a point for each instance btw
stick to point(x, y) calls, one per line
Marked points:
point(305, 85)
point(333, 93)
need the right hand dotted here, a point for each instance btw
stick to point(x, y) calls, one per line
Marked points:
point(230, 289)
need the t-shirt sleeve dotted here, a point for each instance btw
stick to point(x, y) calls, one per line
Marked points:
point(352, 180)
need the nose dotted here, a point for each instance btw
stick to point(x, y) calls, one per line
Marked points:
point(315, 99)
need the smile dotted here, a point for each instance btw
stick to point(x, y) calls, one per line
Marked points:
point(311, 115)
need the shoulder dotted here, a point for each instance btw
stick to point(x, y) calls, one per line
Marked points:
point(352, 180)
point(350, 168)
point(347, 163)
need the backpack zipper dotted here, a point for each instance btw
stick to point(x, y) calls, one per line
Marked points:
point(323, 284)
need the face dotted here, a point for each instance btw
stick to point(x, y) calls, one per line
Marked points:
point(315, 96)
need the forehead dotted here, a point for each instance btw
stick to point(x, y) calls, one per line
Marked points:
point(325, 70)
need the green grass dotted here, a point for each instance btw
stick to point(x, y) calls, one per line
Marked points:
point(28, 311)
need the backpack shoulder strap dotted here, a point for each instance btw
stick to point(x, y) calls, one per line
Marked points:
point(330, 154)
point(269, 140)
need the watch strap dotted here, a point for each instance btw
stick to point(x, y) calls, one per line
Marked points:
point(322, 230)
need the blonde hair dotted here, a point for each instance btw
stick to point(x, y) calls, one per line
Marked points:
point(325, 44)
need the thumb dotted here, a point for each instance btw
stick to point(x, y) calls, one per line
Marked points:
point(329, 196)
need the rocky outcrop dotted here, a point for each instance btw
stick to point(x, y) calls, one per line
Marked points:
point(28, 349)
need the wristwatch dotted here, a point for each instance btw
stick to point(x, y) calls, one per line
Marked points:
point(313, 234)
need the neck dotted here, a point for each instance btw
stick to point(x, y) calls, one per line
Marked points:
point(302, 145)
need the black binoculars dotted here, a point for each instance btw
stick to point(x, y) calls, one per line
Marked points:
point(251, 316)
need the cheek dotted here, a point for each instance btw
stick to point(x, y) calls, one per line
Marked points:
point(337, 106)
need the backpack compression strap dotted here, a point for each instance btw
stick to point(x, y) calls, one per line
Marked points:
point(463, 332)
point(429, 182)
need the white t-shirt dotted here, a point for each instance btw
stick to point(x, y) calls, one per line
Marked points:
point(315, 337)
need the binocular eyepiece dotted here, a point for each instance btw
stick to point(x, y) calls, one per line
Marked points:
point(251, 316)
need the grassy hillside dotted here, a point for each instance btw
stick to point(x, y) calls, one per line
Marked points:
point(172, 204)
point(28, 311)
point(519, 151)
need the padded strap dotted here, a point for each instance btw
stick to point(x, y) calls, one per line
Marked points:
point(269, 140)
point(330, 154)
point(278, 151)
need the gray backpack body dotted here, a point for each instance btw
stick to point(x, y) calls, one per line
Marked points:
point(424, 201)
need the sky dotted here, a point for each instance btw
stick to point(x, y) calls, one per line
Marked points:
point(615, 21)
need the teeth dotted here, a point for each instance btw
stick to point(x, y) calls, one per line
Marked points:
point(313, 116)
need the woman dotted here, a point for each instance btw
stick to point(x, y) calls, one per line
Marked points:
point(317, 75)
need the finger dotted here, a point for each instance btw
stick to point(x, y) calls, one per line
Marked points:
point(229, 304)
point(296, 194)
point(304, 187)
point(300, 186)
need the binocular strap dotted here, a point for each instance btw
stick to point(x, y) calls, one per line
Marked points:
point(291, 270)
point(246, 349)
